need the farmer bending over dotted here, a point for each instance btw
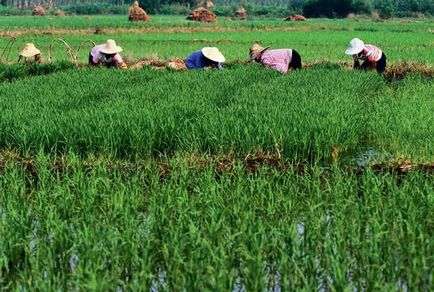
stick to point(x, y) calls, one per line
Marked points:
point(205, 58)
point(30, 54)
point(281, 60)
point(107, 55)
point(372, 56)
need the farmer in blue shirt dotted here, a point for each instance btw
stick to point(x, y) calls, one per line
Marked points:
point(205, 58)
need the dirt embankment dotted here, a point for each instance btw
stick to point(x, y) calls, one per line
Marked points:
point(252, 163)
point(63, 31)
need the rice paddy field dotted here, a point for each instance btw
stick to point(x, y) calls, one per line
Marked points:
point(241, 180)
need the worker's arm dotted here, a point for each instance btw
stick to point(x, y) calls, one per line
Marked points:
point(119, 62)
point(356, 62)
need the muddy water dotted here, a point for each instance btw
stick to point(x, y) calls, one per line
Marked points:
point(159, 284)
point(365, 156)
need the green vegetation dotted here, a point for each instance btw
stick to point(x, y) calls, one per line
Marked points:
point(99, 228)
point(271, 8)
point(148, 113)
point(14, 72)
point(216, 180)
point(168, 37)
point(12, 23)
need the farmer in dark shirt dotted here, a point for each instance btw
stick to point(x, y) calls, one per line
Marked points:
point(205, 58)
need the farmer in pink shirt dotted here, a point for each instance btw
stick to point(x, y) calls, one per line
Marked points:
point(373, 57)
point(280, 60)
point(107, 55)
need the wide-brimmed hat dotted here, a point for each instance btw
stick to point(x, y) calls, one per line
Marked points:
point(256, 50)
point(110, 47)
point(213, 54)
point(29, 51)
point(356, 46)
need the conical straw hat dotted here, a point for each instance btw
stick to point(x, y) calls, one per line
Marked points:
point(29, 51)
point(256, 50)
point(110, 47)
point(213, 54)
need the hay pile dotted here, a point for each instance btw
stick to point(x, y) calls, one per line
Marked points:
point(137, 14)
point(60, 12)
point(399, 71)
point(296, 17)
point(176, 64)
point(403, 167)
point(158, 64)
point(241, 13)
point(203, 15)
point(38, 10)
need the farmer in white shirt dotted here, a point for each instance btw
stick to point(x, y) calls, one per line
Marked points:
point(107, 55)
point(373, 57)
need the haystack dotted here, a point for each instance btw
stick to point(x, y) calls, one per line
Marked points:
point(203, 15)
point(38, 10)
point(60, 12)
point(296, 17)
point(137, 14)
point(241, 13)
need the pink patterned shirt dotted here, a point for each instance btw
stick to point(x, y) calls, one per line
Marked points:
point(278, 60)
point(370, 53)
point(99, 57)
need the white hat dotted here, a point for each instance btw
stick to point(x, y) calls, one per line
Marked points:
point(29, 51)
point(356, 46)
point(110, 47)
point(213, 54)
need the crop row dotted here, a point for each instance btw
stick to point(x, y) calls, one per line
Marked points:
point(94, 229)
point(315, 42)
point(111, 21)
point(148, 113)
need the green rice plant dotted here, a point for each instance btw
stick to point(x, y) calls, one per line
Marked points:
point(11, 23)
point(11, 73)
point(317, 40)
point(148, 113)
point(216, 180)
point(89, 226)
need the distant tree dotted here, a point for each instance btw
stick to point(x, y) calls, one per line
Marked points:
point(362, 7)
point(386, 8)
point(328, 8)
point(296, 5)
point(312, 8)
